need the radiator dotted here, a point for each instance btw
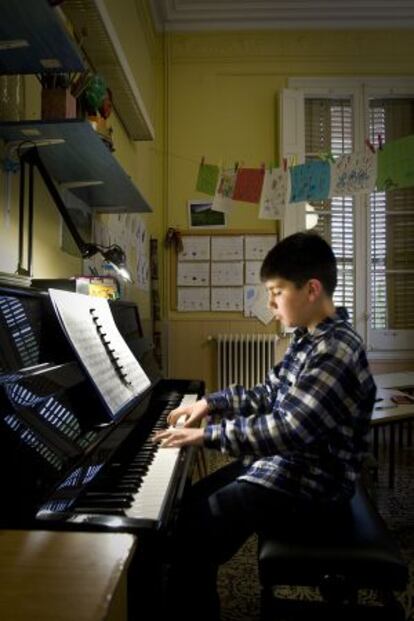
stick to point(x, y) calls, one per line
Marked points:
point(244, 358)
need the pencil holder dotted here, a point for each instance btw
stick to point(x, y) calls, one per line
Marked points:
point(58, 103)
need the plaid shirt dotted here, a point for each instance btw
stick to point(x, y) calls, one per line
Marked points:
point(304, 431)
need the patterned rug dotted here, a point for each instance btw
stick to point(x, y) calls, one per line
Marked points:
point(238, 580)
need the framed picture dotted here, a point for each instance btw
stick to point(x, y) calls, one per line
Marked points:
point(202, 216)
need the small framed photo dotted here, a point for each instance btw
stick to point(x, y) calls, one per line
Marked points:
point(202, 216)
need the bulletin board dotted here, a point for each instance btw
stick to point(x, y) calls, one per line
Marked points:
point(220, 272)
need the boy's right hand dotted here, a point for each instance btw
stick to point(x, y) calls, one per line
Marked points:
point(193, 414)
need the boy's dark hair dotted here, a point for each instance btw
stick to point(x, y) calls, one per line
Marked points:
point(299, 258)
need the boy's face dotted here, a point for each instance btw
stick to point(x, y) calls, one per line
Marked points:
point(290, 305)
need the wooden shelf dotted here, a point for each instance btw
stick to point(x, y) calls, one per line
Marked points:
point(34, 39)
point(81, 157)
point(103, 49)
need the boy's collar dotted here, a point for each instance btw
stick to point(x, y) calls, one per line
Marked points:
point(341, 315)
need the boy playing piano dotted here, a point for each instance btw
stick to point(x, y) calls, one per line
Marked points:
point(298, 438)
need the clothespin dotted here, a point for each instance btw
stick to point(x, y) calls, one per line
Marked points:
point(369, 145)
point(236, 166)
point(202, 161)
point(284, 164)
point(263, 166)
point(380, 142)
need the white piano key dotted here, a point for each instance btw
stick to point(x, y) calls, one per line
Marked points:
point(149, 501)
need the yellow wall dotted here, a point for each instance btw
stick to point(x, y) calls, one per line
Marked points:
point(211, 95)
point(141, 160)
point(222, 104)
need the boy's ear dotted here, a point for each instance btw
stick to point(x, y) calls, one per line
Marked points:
point(315, 289)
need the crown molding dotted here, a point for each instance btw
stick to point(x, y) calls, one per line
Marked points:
point(230, 15)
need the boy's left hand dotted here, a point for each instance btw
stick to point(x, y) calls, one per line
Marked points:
point(179, 436)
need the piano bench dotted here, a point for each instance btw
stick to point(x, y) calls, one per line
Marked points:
point(338, 550)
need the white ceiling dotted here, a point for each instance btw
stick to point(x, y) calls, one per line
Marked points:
point(197, 15)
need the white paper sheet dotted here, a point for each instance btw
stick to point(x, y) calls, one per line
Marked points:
point(143, 273)
point(226, 248)
point(193, 299)
point(252, 273)
point(255, 303)
point(257, 246)
point(227, 299)
point(354, 172)
point(91, 329)
point(193, 274)
point(226, 273)
point(274, 194)
point(195, 248)
point(262, 312)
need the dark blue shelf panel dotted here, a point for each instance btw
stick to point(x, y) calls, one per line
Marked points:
point(83, 156)
point(49, 48)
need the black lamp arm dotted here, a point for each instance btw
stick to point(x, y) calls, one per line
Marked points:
point(31, 156)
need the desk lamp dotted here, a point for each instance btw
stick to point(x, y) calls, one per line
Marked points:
point(112, 254)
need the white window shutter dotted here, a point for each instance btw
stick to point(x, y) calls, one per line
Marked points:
point(292, 147)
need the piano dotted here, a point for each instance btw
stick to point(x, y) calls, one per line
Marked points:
point(65, 464)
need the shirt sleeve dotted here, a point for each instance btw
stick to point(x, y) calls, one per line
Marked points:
point(236, 400)
point(325, 394)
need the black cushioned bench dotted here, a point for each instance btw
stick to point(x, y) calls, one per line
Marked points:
point(339, 550)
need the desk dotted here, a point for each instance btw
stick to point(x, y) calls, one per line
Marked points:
point(62, 576)
point(389, 414)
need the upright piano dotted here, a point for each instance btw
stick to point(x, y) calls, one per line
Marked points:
point(64, 463)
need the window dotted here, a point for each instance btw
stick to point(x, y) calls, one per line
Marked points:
point(328, 131)
point(392, 227)
point(372, 235)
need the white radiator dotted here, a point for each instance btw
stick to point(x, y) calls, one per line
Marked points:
point(244, 358)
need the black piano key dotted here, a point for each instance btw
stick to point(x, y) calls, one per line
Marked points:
point(108, 511)
point(103, 502)
point(110, 495)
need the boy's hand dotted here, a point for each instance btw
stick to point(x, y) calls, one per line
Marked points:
point(193, 414)
point(177, 437)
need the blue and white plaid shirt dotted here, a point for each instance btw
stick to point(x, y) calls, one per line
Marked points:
point(304, 431)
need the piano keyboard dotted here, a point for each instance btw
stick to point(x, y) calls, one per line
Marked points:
point(144, 489)
point(149, 501)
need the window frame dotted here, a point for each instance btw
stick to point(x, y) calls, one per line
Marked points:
point(381, 344)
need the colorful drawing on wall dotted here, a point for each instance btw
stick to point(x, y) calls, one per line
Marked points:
point(249, 183)
point(202, 215)
point(353, 172)
point(395, 164)
point(274, 194)
point(207, 179)
point(310, 181)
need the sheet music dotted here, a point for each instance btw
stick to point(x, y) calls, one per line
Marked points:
point(91, 329)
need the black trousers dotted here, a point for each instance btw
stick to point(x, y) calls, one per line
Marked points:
point(217, 517)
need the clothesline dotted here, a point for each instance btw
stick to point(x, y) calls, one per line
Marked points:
point(389, 168)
